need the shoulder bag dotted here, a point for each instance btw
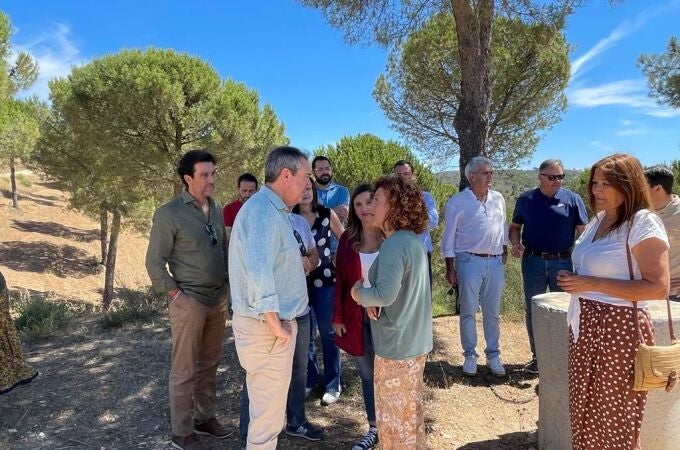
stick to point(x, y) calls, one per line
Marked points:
point(656, 366)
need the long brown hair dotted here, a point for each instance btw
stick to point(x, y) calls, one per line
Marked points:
point(355, 230)
point(625, 174)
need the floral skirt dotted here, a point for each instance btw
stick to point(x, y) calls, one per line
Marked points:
point(605, 411)
point(399, 402)
point(13, 367)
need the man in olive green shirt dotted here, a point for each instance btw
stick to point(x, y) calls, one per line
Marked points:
point(187, 260)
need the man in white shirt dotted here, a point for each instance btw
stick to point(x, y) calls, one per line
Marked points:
point(474, 246)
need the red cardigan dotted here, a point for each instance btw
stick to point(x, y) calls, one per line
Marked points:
point(345, 309)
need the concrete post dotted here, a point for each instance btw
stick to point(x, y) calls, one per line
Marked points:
point(661, 423)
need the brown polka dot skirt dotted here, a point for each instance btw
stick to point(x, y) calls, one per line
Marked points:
point(605, 412)
point(399, 402)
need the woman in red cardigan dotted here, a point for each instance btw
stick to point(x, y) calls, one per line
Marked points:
point(357, 249)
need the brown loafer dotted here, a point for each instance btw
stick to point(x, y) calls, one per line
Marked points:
point(212, 427)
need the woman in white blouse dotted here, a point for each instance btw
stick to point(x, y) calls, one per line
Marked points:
point(605, 411)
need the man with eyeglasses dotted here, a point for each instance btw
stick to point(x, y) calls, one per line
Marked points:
point(269, 291)
point(474, 246)
point(545, 223)
point(187, 259)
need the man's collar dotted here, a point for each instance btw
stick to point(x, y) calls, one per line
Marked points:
point(188, 198)
point(273, 197)
point(328, 187)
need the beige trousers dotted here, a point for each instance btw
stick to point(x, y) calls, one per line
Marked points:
point(197, 335)
point(268, 365)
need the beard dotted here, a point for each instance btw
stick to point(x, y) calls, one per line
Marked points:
point(324, 179)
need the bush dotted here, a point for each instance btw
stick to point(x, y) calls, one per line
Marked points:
point(134, 307)
point(40, 318)
point(23, 180)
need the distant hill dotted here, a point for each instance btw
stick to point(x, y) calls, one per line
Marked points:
point(510, 183)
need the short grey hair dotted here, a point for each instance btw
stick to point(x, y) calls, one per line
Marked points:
point(474, 164)
point(282, 158)
point(549, 163)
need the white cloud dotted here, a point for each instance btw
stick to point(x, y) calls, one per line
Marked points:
point(631, 132)
point(56, 54)
point(626, 122)
point(631, 93)
point(578, 66)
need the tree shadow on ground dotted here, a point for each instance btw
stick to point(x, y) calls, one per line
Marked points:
point(56, 230)
point(39, 257)
point(109, 388)
point(45, 200)
point(520, 440)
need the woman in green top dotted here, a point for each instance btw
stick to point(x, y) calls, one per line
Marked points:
point(402, 332)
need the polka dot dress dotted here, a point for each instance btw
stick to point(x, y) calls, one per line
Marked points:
point(324, 274)
point(605, 412)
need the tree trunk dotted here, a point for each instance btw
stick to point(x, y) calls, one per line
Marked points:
point(103, 231)
point(111, 261)
point(13, 179)
point(474, 29)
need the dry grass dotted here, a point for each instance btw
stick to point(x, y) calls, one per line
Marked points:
point(45, 247)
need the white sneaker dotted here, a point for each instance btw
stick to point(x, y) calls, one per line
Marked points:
point(496, 366)
point(330, 397)
point(470, 366)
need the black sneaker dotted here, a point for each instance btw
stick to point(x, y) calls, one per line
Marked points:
point(531, 366)
point(305, 431)
point(369, 440)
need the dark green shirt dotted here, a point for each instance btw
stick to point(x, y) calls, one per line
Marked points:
point(181, 243)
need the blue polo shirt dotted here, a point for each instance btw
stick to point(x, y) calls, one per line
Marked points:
point(334, 195)
point(549, 223)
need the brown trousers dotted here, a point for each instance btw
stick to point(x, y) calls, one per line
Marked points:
point(399, 402)
point(197, 335)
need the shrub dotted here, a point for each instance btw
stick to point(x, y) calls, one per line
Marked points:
point(134, 307)
point(39, 318)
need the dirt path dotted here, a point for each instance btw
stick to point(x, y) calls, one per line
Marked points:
point(107, 389)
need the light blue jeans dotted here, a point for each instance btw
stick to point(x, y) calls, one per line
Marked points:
point(537, 275)
point(480, 282)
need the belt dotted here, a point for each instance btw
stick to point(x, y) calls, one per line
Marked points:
point(483, 255)
point(549, 255)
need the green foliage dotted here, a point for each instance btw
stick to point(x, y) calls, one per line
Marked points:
point(663, 74)
point(421, 90)
point(365, 158)
point(120, 123)
point(19, 129)
point(134, 307)
point(17, 74)
point(39, 318)
point(24, 181)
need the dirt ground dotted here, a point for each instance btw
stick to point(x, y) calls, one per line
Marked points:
point(107, 389)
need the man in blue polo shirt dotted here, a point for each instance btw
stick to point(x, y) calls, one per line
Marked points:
point(548, 219)
point(331, 195)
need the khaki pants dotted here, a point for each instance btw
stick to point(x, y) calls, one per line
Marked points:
point(197, 334)
point(268, 365)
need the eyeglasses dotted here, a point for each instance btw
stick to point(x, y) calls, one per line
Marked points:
point(554, 177)
point(211, 232)
point(303, 249)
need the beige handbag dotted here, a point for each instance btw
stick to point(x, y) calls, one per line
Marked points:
point(656, 366)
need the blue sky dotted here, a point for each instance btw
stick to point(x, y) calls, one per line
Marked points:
point(321, 88)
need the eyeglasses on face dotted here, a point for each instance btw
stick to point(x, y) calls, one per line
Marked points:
point(554, 177)
point(211, 233)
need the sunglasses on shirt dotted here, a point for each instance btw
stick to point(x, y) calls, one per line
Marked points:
point(298, 238)
point(554, 177)
point(211, 233)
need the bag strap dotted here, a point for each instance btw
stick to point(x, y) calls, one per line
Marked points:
point(635, 307)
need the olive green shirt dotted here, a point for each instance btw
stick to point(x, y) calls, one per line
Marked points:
point(400, 284)
point(182, 254)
